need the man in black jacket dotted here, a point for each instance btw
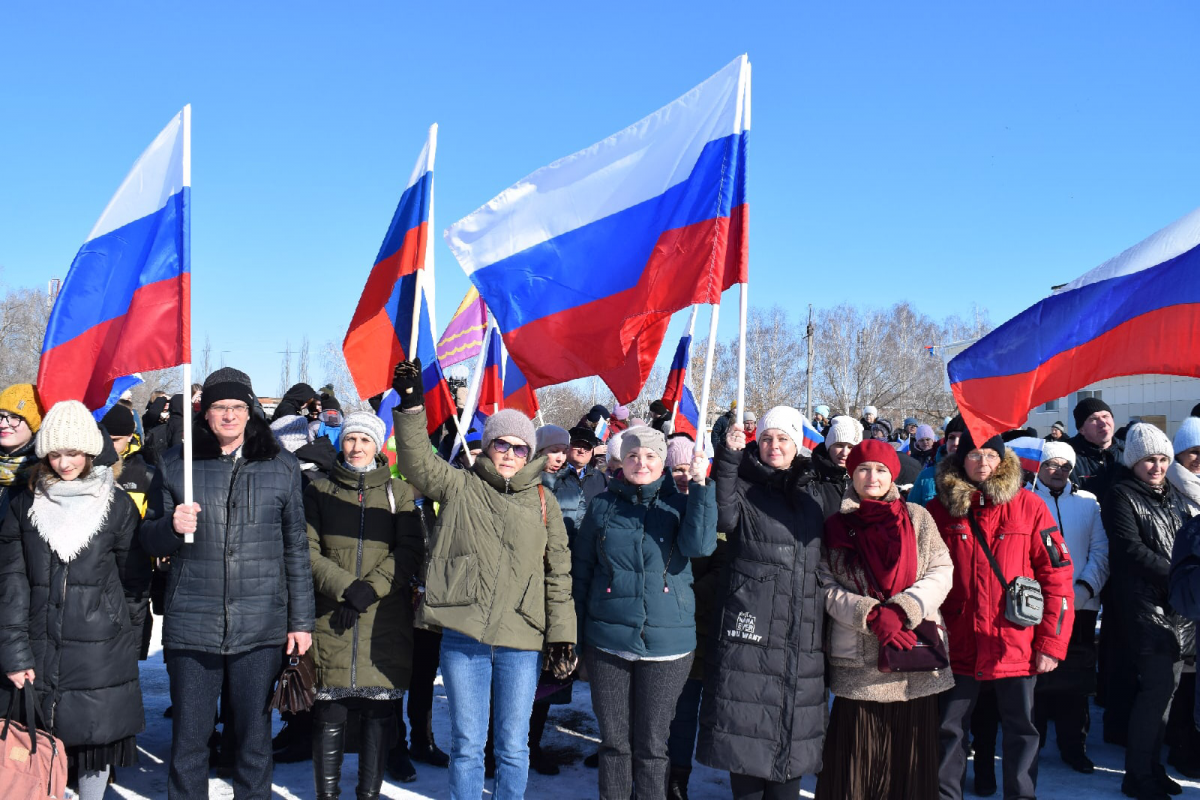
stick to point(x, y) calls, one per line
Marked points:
point(1097, 451)
point(238, 592)
point(577, 482)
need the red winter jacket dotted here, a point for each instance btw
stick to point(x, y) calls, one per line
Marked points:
point(1025, 541)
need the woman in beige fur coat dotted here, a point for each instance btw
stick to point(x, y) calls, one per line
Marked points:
point(882, 740)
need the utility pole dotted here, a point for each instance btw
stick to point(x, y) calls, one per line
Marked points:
point(55, 285)
point(808, 403)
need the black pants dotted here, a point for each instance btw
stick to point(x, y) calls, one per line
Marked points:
point(748, 787)
point(1072, 719)
point(427, 649)
point(196, 680)
point(337, 712)
point(1014, 698)
point(1158, 676)
point(1062, 695)
point(634, 703)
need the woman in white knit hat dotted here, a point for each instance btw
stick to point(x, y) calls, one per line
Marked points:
point(1142, 512)
point(71, 577)
point(1184, 474)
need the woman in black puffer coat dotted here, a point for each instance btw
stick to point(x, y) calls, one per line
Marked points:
point(1142, 512)
point(765, 710)
point(71, 576)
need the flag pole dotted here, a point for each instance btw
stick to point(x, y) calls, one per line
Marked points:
point(428, 261)
point(473, 393)
point(691, 332)
point(708, 369)
point(741, 376)
point(188, 493)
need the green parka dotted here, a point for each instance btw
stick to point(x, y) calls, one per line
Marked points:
point(356, 531)
point(494, 571)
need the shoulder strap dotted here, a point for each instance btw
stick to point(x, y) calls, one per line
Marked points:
point(987, 551)
point(391, 493)
point(542, 498)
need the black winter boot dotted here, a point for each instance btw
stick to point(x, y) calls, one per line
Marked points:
point(677, 783)
point(985, 775)
point(372, 755)
point(328, 747)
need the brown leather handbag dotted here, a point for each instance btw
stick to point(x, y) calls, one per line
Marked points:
point(33, 763)
point(296, 689)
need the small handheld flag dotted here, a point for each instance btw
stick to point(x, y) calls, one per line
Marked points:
point(1029, 450)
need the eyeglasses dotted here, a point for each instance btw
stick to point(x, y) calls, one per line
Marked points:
point(11, 420)
point(978, 458)
point(519, 450)
point(237, 409)
point(1055, 467)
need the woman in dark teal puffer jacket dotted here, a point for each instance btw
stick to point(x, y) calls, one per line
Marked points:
point(632, 583)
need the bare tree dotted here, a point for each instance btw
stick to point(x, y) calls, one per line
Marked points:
point(285, 371)
point(206, 359)
point(302, 377)
point(564, 403)
point(337, 374)
point(24, 315)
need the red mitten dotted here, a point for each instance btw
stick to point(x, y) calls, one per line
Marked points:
point(888, 624)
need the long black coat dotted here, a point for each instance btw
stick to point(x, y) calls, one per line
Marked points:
point(765, 709)
point(1141, 527)
point(71, 623)
point(246, 581)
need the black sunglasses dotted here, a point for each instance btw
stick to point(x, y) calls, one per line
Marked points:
point(519, 450)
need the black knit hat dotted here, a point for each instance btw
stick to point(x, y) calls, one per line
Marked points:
point(956, 425)
point(967, 443)
point(119, 421)
point(658, 407)
point(581, 433)
point(226, 383)
point(597, 413)
point(1088, 406)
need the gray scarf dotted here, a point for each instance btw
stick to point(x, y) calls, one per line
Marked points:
point(67, 514)
point(1187, 484)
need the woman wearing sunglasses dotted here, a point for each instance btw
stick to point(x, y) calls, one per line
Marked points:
point(498, 584)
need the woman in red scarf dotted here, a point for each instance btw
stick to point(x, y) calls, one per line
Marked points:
point(885, 570)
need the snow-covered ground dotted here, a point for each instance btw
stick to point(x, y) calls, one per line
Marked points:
point(571, 735)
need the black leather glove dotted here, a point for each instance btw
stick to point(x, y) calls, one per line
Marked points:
point(359, 596)
point(344, 617)
point(406, 381)
point(561, 660)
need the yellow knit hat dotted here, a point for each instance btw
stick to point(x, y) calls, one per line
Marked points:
point(22, 399)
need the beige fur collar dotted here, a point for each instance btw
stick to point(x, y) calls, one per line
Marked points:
point(955, 491)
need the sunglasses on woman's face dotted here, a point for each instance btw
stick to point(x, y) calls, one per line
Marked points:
point(519, 450)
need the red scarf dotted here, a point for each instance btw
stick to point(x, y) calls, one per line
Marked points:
point(881, 540)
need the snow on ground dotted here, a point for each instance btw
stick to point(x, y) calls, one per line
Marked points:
point(571, 735)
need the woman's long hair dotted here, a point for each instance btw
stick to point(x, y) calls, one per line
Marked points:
point(42, 476)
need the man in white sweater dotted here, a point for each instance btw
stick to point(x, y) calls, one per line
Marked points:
point(1062, 695)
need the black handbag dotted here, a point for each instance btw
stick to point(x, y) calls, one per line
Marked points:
point(927, 655)
point(1023, 600)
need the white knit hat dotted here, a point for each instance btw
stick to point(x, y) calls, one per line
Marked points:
point(1144, 440)
point(367, 423)
point(1188, 435)
point(844, 429)
point(1058, 450)
point(291, 431)
point(788, 420)
point(614, 446)
point(69, 426)
point(871, 410)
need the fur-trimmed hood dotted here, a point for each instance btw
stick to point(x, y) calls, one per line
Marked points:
point(956, 491)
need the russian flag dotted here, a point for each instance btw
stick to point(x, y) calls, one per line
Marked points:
point(595, 251)
point(1029, 450)
point(687, 414)
point(119, 387)
point(125, 305)
point(675, 378)
point(812, 437)
point(1136, 313)
point(517, 392)
point(491, 387)
point(395, 302)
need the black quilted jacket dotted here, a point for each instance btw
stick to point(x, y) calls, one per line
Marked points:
point(246, 581)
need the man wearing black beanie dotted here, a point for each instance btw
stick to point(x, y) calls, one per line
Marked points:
point(1097, 451)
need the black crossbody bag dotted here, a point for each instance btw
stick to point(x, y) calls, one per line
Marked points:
point(1023, 600)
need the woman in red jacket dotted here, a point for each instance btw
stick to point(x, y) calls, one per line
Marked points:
point(979, 495)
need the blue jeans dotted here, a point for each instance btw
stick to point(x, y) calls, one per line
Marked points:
point(480, 678)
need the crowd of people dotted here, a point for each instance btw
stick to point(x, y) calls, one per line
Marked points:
point(713, 598)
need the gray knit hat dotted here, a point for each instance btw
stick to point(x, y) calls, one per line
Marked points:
point(551, 435)
point(291, 432)
point(508, 422)
point(643, 436)
point(69, 426)
point(844, 429)
point(1144, 440)
point(226, 383)
point(367, 423)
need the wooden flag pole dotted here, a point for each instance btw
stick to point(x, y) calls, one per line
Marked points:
point(708, 369)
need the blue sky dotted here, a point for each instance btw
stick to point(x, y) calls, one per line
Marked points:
point(943, 153)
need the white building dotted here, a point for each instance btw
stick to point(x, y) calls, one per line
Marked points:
point(1163, 400)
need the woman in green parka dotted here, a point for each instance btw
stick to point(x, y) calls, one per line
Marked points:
point(366, 544)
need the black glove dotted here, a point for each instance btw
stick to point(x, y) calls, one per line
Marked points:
point(344, 617)
point(359, 596)
point(406, 381)
point(561, 660)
